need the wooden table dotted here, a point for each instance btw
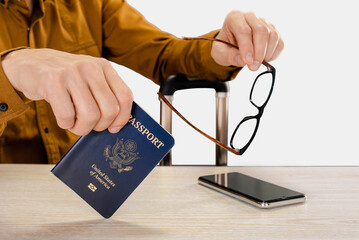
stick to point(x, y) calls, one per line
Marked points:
point(170, 204)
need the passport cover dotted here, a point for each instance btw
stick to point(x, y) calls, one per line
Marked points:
point(105, 168)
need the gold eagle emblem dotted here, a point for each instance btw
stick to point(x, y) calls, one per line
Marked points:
point(122, 154)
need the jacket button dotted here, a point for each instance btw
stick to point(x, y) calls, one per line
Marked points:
point(3, 107)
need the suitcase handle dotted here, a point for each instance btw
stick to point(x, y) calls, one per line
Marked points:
point(180, 82)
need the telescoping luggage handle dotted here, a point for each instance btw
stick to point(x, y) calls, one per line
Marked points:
point(180, 82)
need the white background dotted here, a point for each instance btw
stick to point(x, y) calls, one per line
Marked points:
point(312, 117)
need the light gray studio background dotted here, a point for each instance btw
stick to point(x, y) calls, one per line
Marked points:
point(312, 118)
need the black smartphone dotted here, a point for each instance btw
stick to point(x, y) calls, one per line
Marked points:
point(252, 190)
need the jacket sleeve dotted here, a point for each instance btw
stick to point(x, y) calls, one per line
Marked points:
point(12, 103)
point(131, 41)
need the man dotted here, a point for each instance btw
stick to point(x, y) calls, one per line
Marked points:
point(55, 81)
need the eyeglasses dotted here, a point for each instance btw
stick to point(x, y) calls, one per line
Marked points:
point(260, 94)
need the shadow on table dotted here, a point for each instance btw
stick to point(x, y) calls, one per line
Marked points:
point(92, 229)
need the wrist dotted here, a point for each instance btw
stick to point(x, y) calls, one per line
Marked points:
point(8, 64)
point(9, 95)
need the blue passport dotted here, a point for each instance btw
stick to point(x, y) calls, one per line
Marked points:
point(104, 168)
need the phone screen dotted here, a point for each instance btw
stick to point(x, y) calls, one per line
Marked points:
point(256, 190)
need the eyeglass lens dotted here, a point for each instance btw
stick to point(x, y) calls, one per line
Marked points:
point(244, 133)
point(261, 89)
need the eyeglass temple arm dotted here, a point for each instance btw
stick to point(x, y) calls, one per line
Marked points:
point(162, 97)
point(269, 67)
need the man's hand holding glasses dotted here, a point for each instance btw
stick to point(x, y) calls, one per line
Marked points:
point(257, 41)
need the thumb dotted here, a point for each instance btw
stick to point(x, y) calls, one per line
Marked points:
point(226, 55)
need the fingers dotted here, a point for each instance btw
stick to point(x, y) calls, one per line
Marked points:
point(277, 51)
point(105, 99)
point(242, 32)
point(63, 108)
point(86, 109)
point(260, 38)
point(226, 55)
point(101, 99)
point(275, 43)
point(123, 95)
point(257, 40)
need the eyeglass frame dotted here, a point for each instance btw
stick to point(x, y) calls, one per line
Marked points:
point(270, 69)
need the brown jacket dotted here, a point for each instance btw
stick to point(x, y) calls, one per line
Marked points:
point(103, 28)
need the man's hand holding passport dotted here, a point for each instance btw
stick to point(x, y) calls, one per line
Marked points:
point(105, 168)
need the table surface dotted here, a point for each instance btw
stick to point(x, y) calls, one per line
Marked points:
point(169, 204)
